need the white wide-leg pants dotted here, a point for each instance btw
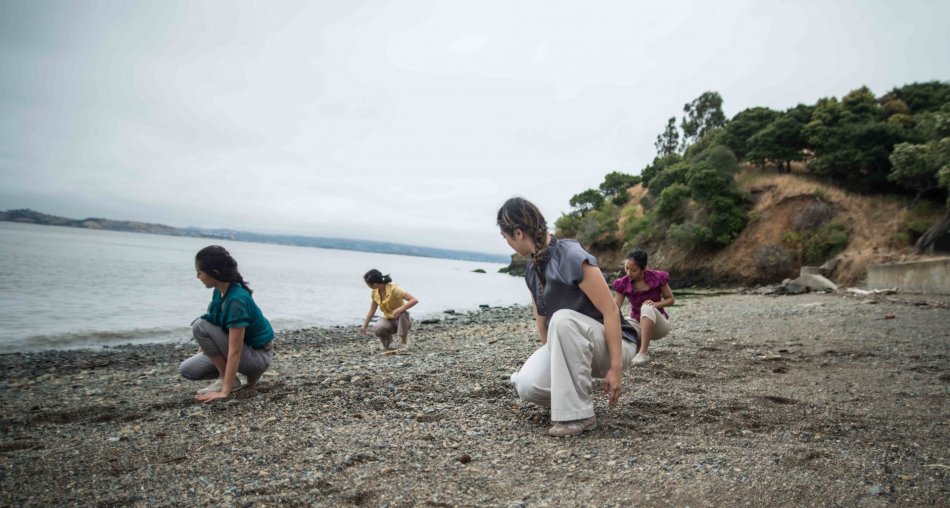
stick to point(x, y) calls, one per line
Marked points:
point(560, 373)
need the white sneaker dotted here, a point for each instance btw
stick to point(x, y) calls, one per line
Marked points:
point(573, 428)
point(218, 384)
point(641, 359)
point(213, 387)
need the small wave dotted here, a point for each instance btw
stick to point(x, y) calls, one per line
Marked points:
point(97, 338)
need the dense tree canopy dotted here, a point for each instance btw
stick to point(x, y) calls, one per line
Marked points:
point(743, 126)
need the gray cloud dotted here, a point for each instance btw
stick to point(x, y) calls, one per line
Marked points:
point(408, 122)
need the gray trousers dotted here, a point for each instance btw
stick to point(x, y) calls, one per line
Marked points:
point(560, 373)
point(385, 328)
point(213, 341)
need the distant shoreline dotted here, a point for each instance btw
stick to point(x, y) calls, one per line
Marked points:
point(27, 216)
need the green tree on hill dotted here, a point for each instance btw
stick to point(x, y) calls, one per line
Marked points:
point(593, 220)
point(668, 142)
point(896, 143)
point(926, 167)
point(923, 97)
point(697, 204)
point(615, 186)
point(658, 164)
point(781, 141)
point(720, 158)
point(586, 201)
point(743, 126)
point(702, 115)
point(851, 146)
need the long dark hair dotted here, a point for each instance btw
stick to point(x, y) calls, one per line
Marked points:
point(217, 262)
point(519, 213)
point(375, 276)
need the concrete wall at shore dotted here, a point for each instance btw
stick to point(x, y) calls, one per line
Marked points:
point(932, 276)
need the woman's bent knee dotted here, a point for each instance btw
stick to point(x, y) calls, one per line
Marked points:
point(189, 372)
point(562, 321)
point(197, 326)
point(647, 312)
point(198, 367)
point(530, 392)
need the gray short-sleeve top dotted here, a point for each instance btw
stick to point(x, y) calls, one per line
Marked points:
point(564, 271)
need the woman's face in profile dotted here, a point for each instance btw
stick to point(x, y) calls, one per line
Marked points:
point(205, 279)
point(519, 242)
point(632, 270)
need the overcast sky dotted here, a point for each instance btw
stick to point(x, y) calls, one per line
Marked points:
point(407, 121)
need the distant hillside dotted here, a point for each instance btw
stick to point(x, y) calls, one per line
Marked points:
point(33, 217)
point(877, 229)
point(841, 184)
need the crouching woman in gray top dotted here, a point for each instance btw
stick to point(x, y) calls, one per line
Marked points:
point(583, 334)
point(234, 336)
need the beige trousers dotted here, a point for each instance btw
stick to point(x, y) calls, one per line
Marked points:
point(661, 325)
point(385, 328)
point(560, 373)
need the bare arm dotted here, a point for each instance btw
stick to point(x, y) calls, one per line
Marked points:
point(410, 301)
point(666, 300)
point(369, 315)
point(595, 287)
point(540, 322)
point(235, 346)
point(667, 294)
point(618, 299)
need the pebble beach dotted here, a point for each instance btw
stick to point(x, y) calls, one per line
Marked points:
point(813, 399)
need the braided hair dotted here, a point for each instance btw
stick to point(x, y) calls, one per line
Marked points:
point(217, 262)
point(519, 213)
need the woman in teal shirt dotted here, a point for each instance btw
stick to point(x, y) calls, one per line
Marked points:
point(234, 336)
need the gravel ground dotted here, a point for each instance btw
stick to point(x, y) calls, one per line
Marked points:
point(752, 400)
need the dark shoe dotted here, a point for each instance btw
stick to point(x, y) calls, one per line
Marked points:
point(573, 428)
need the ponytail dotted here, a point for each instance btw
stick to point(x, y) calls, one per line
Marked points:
point(375, 276)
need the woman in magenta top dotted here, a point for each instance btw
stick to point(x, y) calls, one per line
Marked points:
point(649, 293)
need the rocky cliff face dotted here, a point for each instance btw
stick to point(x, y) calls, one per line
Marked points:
point(517, 266)
point(879, 230)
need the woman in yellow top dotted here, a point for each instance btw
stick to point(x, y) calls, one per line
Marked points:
point(394, 301)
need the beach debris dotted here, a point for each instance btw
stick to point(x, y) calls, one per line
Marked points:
point(870, 292)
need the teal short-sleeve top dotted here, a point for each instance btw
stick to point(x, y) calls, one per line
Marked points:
point(238, 310)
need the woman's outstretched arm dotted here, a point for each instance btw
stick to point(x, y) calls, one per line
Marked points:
point(541, 323)
point(235, 346)
point(595, 287)
point(369, 315)
point(618, 299)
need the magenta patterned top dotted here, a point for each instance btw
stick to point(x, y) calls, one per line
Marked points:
point(655, 279)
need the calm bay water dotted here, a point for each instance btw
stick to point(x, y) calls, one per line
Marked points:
point(67, 287)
